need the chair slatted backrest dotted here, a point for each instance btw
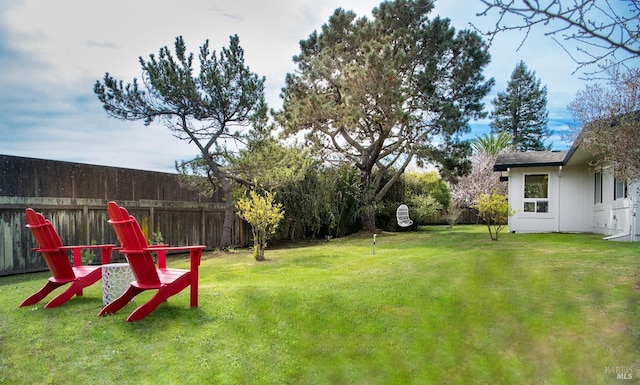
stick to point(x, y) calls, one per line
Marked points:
point(49, 244)
point(133, 243)
point(402, 213)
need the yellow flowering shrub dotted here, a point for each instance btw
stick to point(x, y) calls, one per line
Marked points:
point(263, 215)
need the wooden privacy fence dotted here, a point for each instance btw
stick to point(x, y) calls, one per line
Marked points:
point(84, 221)
point(467, 217)
point(74, 196)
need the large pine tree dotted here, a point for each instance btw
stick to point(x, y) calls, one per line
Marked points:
point(383, 91)
point(522, 112)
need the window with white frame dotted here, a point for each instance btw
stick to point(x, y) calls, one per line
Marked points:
point(597, 190)
point(536, 193)
point(619, 189)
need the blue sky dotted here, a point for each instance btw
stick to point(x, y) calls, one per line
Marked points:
point(52, 52)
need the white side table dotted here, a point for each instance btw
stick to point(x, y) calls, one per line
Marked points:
point(116, 278)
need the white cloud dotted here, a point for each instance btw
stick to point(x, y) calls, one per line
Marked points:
point(52, 52)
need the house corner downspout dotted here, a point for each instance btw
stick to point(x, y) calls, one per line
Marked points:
point(557, 209)
point(633, 213)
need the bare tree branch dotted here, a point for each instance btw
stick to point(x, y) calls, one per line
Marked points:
point(604, 32)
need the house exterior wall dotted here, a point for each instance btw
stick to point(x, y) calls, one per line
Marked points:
point(533, 222)
point(576, 186)
point(571, 204)
point(616, 216)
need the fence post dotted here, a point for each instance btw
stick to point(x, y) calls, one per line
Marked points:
point(152, 221)
point(85, 219)
point(202, 227)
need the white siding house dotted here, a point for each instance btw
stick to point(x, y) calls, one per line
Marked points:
point(556, 192)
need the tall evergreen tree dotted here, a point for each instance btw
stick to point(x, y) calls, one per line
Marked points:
point(207, 109)
point(522, 112)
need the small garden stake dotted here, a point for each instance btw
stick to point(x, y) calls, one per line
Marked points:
point(374, 244)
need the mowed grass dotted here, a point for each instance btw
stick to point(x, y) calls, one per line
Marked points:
point(436, 306)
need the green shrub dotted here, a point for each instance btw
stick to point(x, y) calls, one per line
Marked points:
point(263, 215)
point(495, 212)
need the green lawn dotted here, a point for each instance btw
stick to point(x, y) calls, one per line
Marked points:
point(436, 306)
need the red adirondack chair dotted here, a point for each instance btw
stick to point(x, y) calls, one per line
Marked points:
point(148, 276)
point(57, 259)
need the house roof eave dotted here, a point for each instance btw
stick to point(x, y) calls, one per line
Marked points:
point(530, 159)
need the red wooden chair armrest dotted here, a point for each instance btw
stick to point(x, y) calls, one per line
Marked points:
point(173, 248)
point(77, 258)
point(160, 252)
point(195, 253)
point(39, 250)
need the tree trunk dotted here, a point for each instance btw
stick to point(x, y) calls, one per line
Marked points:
point(369, 217)
point(369, 208)
point(229, 216)
point(227, 196)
